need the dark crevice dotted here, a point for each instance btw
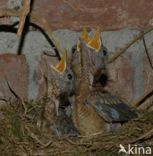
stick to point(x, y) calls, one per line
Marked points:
point(12, 29)
point(8, 28)
point(25, 31)
point(12, 91)
point(103, 80)
point(147, 52)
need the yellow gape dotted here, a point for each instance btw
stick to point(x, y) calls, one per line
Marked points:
point(61, 66)
point(95, 42)
point(85, 37)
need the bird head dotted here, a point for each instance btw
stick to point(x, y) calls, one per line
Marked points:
point(90, 55)
point(61, 74)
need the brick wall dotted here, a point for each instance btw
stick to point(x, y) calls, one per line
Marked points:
point(108, 14)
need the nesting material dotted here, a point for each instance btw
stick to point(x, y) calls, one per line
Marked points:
point(21, 134)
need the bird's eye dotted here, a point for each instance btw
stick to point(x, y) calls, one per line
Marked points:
point(69, 76)
point(105, 52)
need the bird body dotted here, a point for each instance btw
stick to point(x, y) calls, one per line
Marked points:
point(85, 118)
point(60, 85)
point(95, 110)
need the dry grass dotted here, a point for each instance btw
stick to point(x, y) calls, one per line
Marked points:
point(21, 135)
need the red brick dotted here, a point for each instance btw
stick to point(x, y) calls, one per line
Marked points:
point(13, 71)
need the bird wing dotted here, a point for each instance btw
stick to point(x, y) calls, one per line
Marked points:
point(109, 107)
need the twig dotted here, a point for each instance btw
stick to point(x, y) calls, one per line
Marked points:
point(92, 135)
point(25, 12)
point(43, 23)
point(33, 136)
point(35, 18)
point(66, 152)
point(17, 96)
point(10, 12)
point(78, 144)
point(147, 53)
point(143, 137)
point(116, 54)
point(24, 106)
point(150, 106)
point(142, 98)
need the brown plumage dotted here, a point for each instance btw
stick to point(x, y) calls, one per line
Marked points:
point(95, 110)
point(85, 65)
point(60, 84)
point(85, 119)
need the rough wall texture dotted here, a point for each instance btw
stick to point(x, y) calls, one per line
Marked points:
point(35, 44)
point(107, 14)
point(129, 77)
point(2, 3)
point(13, 77)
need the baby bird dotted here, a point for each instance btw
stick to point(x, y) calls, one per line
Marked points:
point(60, 82)
point(95, 110)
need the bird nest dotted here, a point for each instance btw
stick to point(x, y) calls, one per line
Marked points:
point(22, 135)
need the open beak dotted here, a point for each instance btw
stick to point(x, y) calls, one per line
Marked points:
point(100, 77)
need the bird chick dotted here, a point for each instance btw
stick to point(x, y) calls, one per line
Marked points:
point(85, 64)
point(95, 110)
point(60, 83)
